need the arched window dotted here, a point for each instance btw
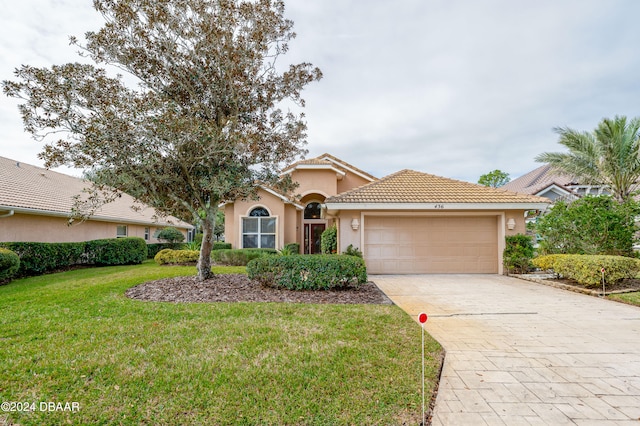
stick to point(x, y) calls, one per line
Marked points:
point(312, 211)
point(259, 229)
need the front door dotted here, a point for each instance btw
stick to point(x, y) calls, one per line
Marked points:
point(312, 235)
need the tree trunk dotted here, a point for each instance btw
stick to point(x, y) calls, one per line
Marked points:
point(208, 228)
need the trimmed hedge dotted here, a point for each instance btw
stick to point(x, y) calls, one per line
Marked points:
point(116, 251)
point(586, 269)
point(218, 245)
point(176, 257)
point(9, 264)
point(305, 272)
point(40, 258)
point(239, 257)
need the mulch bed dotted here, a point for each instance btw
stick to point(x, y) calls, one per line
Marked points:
point(239, 288)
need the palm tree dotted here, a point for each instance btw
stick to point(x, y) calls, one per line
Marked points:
point(610, 155)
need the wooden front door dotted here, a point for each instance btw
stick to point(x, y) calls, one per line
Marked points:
point(312, 234)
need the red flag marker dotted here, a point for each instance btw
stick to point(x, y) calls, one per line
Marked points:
point(422, 318)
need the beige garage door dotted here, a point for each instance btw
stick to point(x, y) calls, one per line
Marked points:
point(418, 245)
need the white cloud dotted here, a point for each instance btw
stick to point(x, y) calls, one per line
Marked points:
point(450, 87)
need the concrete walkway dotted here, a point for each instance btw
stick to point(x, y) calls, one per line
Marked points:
point(520, 353)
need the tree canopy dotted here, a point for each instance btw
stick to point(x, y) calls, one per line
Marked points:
point(610, 155)
point(494, 179)
point(205, 120)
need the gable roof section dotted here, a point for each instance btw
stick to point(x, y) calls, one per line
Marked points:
point(539, 179)
point(328, 161)
point(34, 190)
point(409, 189)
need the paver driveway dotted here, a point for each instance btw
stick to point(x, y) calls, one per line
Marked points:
point(521, 353)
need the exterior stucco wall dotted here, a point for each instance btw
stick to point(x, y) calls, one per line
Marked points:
point(351, 181)
point(50, 229)
point(317, 181)
point(285, 228)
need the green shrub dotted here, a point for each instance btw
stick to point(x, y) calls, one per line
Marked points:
point(304, 272)
point(589, 225)
point(116, 251)
point(353, 251)
point(219, 245)
point(40, 258)
point(170, 235)
point(176, 257)
point(518, 253)
point(586, 269)
point(294, 248)
point(9, 264)
point(153, 249)
point(239, 257)
point(329, 241)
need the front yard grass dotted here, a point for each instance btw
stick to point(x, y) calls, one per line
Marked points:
point(630, 298)
point(74, 337)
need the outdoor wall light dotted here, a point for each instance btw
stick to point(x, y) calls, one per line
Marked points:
point(355, 224)
point(511, 224)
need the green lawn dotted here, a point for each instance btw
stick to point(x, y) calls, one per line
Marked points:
point(74, 337)
point(630, 298)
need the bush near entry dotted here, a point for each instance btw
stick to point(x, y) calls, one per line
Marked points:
point(239, 257)
point(587, 269)
point(518, 253)
point(306, 272)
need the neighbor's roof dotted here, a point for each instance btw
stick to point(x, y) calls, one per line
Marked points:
point(409, 187)
point(539, 179)
point(29, 189)
point(328, 161)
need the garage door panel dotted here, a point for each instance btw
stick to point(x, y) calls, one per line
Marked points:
point(431, 244)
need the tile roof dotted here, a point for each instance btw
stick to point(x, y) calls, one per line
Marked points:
point(328, 160)
point(409, 186)
point(27, 187)
point(539, 179)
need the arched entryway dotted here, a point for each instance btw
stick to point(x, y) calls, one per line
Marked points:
point(314, 226)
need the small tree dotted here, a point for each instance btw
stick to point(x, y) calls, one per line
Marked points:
point(494, 179)
point(202, 122)
point(589, 225)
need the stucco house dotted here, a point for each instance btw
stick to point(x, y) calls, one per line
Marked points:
point(407, 222)
point(35, 204)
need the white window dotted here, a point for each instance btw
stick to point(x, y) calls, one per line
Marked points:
point(259, 229)
point(146, 234)
point(121, 231)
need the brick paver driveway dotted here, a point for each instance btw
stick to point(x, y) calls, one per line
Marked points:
point(521, 353)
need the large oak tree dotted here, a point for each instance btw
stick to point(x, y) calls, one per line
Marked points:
point(203, 120)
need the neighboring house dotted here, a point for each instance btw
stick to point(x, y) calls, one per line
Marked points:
point(407, 222)
point(545, 182)
point(35, 205)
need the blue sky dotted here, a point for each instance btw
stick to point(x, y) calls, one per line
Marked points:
point(454, 88)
